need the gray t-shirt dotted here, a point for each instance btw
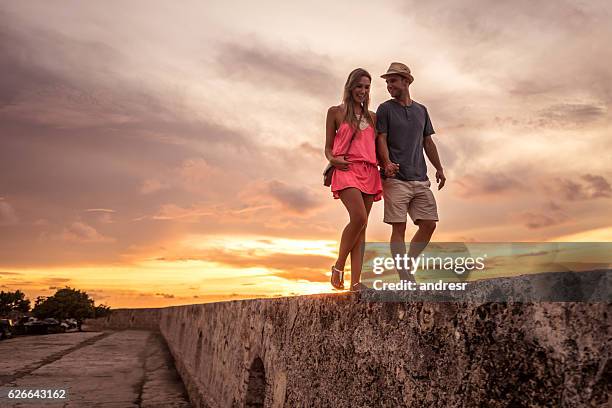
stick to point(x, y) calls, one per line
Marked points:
point(406, 127)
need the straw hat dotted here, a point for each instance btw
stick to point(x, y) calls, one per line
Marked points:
point(398, 68)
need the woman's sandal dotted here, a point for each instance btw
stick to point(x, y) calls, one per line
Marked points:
point(337, 278)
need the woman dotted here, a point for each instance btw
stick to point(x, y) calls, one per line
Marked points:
point(350, 147)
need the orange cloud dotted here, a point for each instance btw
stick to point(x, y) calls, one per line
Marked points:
point(7, 213)
point(309, 267)
point(295, 199)
point(80, 232)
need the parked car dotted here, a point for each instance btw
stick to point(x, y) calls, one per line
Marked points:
point(70, 324)
point(19, 327)
point(36, 326)
point(54, 325)
point(6, 329)
point(32, 325)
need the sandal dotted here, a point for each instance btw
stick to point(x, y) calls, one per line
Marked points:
point(337, 282)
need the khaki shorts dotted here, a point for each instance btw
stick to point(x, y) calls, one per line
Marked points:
point(408, 197)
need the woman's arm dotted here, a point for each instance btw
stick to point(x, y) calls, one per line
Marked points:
point(378, 156)
point(330, 133)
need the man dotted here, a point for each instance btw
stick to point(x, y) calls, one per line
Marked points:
point(404, 131)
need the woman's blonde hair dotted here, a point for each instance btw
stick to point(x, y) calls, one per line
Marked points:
point(351, 83)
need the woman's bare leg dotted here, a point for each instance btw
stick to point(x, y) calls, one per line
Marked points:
point(358, 217)
point(357, 250)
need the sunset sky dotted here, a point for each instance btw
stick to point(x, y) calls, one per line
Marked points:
point(156, 153)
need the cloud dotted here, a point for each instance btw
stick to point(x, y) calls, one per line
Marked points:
point(103, 215)
point(80, 232)
point(196, 174)
point(481, 20)
point(310, 149)
point(165, 295)
point(530, 254)
point(309, 267)
point(569, 114)
point(193, 175)
point(151, 186)
point(538, 220)
point(296, 199)
point(276, 67)
point(70, 94)
point(7, 214)
point(522, 56)
point(55, 280)
point(597, 186)
point(488, 184)
point(183, 154)
point(553, 206)
point(529, 88)
point(588, 187)
point(45, 74)
point(6, 273)
point(256, 211)
point(62, 82)
point(185, 214)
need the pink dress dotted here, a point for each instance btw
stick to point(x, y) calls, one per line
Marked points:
point(362, 173)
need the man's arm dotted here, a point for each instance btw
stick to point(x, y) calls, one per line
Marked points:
point(434, 158)
point(389, 167)
point(382, 150)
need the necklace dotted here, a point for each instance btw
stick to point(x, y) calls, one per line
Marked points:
point(363, 123)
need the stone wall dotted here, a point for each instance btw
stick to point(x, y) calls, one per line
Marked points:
point(120, 319)
point(342, 350)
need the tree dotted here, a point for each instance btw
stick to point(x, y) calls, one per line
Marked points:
point(13, 301)
point(65, 304)
point(101, 311)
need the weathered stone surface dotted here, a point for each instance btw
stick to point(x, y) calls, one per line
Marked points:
point(121, 319)
point(339, 350)
point(161, 386)
point(130, 368)
point(591, 287)
point(22, 355)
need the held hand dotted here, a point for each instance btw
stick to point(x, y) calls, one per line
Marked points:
point(339, 163)
point(440, 178)
point(391, 169)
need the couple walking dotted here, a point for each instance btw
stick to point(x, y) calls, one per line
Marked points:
point(394, 137)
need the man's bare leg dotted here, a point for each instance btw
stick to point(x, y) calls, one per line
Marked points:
point(422, 237)
point(398, 247)
point(418, 243)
